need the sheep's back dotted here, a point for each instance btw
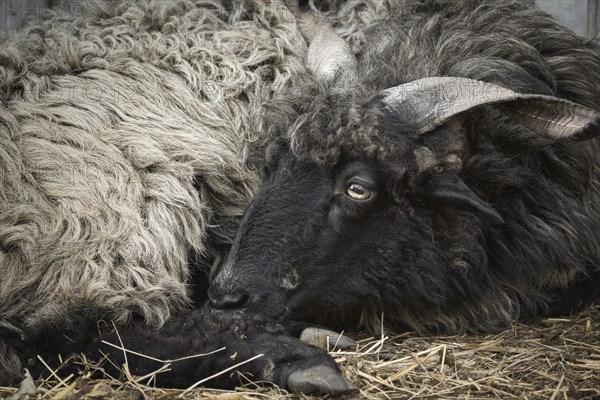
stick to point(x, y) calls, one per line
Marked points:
point(124, 135)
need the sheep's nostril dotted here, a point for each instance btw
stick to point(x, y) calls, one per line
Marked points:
point(229, 300)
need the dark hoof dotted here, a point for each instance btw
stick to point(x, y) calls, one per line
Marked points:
point(320, 380)
point(327, 339)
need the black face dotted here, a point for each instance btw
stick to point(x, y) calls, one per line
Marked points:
point(310, 241)
point(394, 230)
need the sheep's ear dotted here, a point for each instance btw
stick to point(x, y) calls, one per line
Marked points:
point(448, 190)
point(430, 102)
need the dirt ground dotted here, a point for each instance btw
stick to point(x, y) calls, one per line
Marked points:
point(553, 358)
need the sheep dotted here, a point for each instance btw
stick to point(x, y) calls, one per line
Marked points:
point(125, 135)
point(449, 183)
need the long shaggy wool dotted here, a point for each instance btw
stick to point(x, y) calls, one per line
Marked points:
point(124, 136)
point(125, 129)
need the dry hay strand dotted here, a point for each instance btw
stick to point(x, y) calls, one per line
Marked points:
point(552, 358)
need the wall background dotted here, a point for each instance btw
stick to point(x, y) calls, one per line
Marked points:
point(573, 13)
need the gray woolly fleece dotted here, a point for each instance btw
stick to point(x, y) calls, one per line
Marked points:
point(124, 141)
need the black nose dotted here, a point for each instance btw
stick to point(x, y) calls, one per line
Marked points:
point(229, 300)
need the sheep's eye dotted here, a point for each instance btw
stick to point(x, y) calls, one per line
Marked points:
point(358, 192)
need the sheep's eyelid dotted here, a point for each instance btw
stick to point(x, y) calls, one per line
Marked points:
point(369, 184)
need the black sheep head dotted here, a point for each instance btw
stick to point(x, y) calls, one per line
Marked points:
point(361, 209)
point(365, 230)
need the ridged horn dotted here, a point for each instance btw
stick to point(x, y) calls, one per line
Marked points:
point(430, 102)
point(329, 56)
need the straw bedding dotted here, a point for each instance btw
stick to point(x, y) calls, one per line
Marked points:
point(551, 358)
